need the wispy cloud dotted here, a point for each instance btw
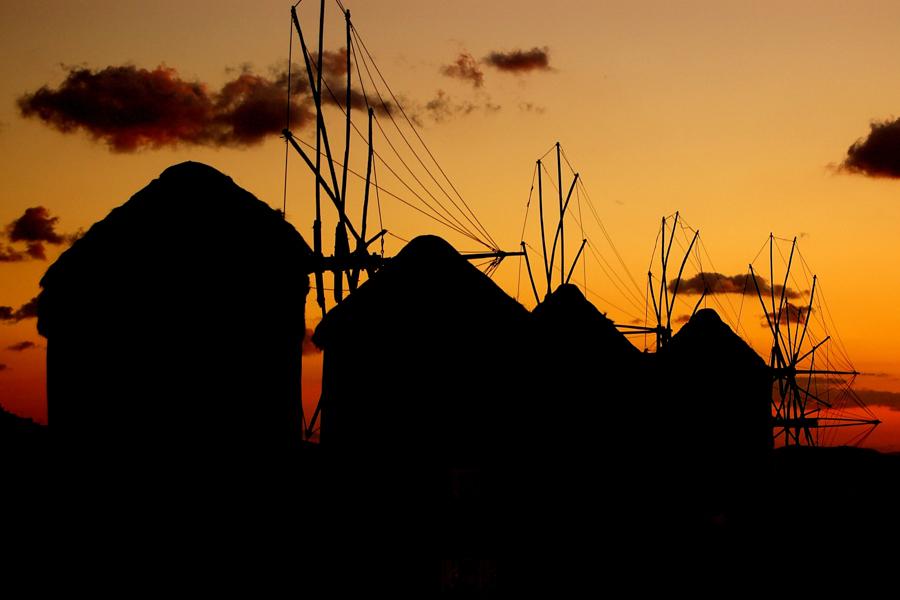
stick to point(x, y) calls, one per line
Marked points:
point(27, 311)
point(465, 67)
point(21, 346)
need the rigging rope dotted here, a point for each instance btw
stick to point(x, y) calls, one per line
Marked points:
point(477, 224)
point(441, 217)
point(391, 194)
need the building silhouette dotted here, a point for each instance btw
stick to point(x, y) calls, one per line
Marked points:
point(712, 401)
point(424, 410)
point(175, 324)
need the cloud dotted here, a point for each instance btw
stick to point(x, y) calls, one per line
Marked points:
point(717, 283)
point(890, 400)
point(34, 228)
point(466, 68)
point(129, 108)
point(10, 254)
point(308, 346)
point(531, 107)
point(682, 319)
point(520, 61)
point(334, 62)
point(35, 225)
point(2, 367)
point(26, 311)
point(878, 155)
point(21, 346)
point(337, 96)
point(792, 312)
point(247, 110)
point(442, 107)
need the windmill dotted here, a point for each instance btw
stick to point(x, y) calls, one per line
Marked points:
point(812, 376)
point(440, 201)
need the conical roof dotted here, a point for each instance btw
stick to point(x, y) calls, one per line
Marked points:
point(432, 350)
point(708, 339)
point(568, 316)
point(193, 227)
point(428, 280)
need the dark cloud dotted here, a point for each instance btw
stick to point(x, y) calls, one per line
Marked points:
point(248, 109)
point(717, 283)
point(36, 250)
point(26, 311)
point(878, 155)
point(792, 312)
point(465, 67)
point(10, 254)
point(35, 225)
point(21, 346)
point(2, 367)
point(130, 108)
point(681, 319)
point(34, 228)
point(889, 400)
point(308, 346)
point(520, 61)
point(337, 96)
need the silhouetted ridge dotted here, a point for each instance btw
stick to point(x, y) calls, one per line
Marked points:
point(178, 317)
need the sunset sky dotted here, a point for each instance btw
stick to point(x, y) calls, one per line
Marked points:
point(738, 116)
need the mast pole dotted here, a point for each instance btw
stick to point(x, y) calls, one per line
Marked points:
point(575, 262)
point(365, 213)
point(347, 140)
point(543, 236)
point(562, 230)
point(678, 279)
point(537, 298)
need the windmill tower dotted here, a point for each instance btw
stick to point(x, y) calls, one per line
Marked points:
point(370, 94)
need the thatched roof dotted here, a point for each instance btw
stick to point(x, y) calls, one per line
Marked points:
point(189, 231)
point(428, 279)
point(568, 317)
point(706, 340)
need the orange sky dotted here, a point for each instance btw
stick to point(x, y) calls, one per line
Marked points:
point(730, 114)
